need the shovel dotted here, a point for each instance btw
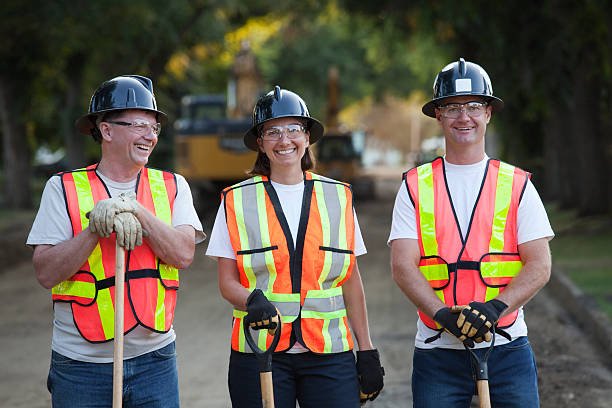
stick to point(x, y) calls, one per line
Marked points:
point(482, 375)
point(118, 342)
point(264, 358)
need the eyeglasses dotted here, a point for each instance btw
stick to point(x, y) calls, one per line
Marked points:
point(275, 133)
point(454, 110)
point(140, 127)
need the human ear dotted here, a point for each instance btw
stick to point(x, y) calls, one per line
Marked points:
point(105, 131)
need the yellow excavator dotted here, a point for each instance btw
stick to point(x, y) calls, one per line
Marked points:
point(339, 153)
point(208, 146)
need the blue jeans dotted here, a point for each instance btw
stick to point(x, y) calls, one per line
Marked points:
point(314, 380)
point(150, 380)
point(444, 378)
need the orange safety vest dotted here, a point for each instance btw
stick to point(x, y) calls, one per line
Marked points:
point(150, 285)
point(479, 266)
point(303, 281)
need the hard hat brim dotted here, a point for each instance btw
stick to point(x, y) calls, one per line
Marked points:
point(429, 108)
point(315, 128)
point(86, 123)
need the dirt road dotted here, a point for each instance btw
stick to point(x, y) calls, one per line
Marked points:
point(572, 372)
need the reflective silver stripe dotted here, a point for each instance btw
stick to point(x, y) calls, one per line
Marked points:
point(335, 223)
point(336, 345)
point(332, 204)
point(288, 310)
point(323, 305)
point(251, 216)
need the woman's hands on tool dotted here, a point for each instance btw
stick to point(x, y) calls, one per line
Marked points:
point(260, 312)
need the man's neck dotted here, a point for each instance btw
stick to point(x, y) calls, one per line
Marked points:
point(116, 172)
point(465, 157)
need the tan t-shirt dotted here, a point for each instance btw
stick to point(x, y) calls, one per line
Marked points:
point(52, 226)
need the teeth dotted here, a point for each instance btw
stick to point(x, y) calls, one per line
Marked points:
point(286, 151)
point(142, 146)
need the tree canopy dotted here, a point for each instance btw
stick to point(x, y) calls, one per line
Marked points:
point(549, 61)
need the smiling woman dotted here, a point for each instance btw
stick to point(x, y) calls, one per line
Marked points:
point(284, 142)
point(286, 242)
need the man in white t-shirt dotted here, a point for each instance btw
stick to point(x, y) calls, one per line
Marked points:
point(82, 213)
point(469, 247)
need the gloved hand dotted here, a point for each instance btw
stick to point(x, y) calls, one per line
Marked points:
point(260, 312)
point(447, 318)
point(128, 229)
point(101, 217)
point(370, 374)
point(477, 319)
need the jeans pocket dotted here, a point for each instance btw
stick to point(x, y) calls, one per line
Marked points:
point(518, 344)
point(59, 359)
point(166, 352)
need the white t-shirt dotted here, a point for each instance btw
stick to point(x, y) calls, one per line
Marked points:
point(464, 183)
point(52, 226)
point(290, 197)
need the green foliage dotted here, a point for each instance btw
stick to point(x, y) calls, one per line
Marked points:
point(581, 248)
point(372, 59)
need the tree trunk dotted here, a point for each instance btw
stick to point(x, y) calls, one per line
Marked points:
point(586, 129)
point(16, 153)
point(74, 142)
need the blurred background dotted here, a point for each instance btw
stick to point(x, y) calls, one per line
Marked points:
point(548, 60)
point(364, 68)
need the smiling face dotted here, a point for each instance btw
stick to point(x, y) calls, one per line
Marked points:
point(465, 133)
point(285, 154)
point(125, 145)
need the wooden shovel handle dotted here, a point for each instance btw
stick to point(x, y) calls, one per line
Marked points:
point(483, 394)
point(118, 342)
point(267, 391)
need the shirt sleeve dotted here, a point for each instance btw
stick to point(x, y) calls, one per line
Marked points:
point(52, 224)
point(403, 223)
point(360, 248)
point(219, 245)
point(184, 212)
point(532, 220)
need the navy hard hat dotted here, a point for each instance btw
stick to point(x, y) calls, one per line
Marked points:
point(462, 78)
point(281, 103)
point(120, 93)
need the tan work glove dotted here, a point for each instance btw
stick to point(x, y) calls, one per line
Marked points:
point(101, 217)
point(128, 229)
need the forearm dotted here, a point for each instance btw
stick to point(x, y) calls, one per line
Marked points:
point(354, 301)
point(531, 278)
point(406, 274)
point(56, 263)
point(229, 283)
point(173, 245)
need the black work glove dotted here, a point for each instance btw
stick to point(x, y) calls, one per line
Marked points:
point(370, 374)
point(447, 318)
point(478, 319)
point(260, 311)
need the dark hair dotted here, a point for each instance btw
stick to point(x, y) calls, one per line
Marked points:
point(262, 163)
